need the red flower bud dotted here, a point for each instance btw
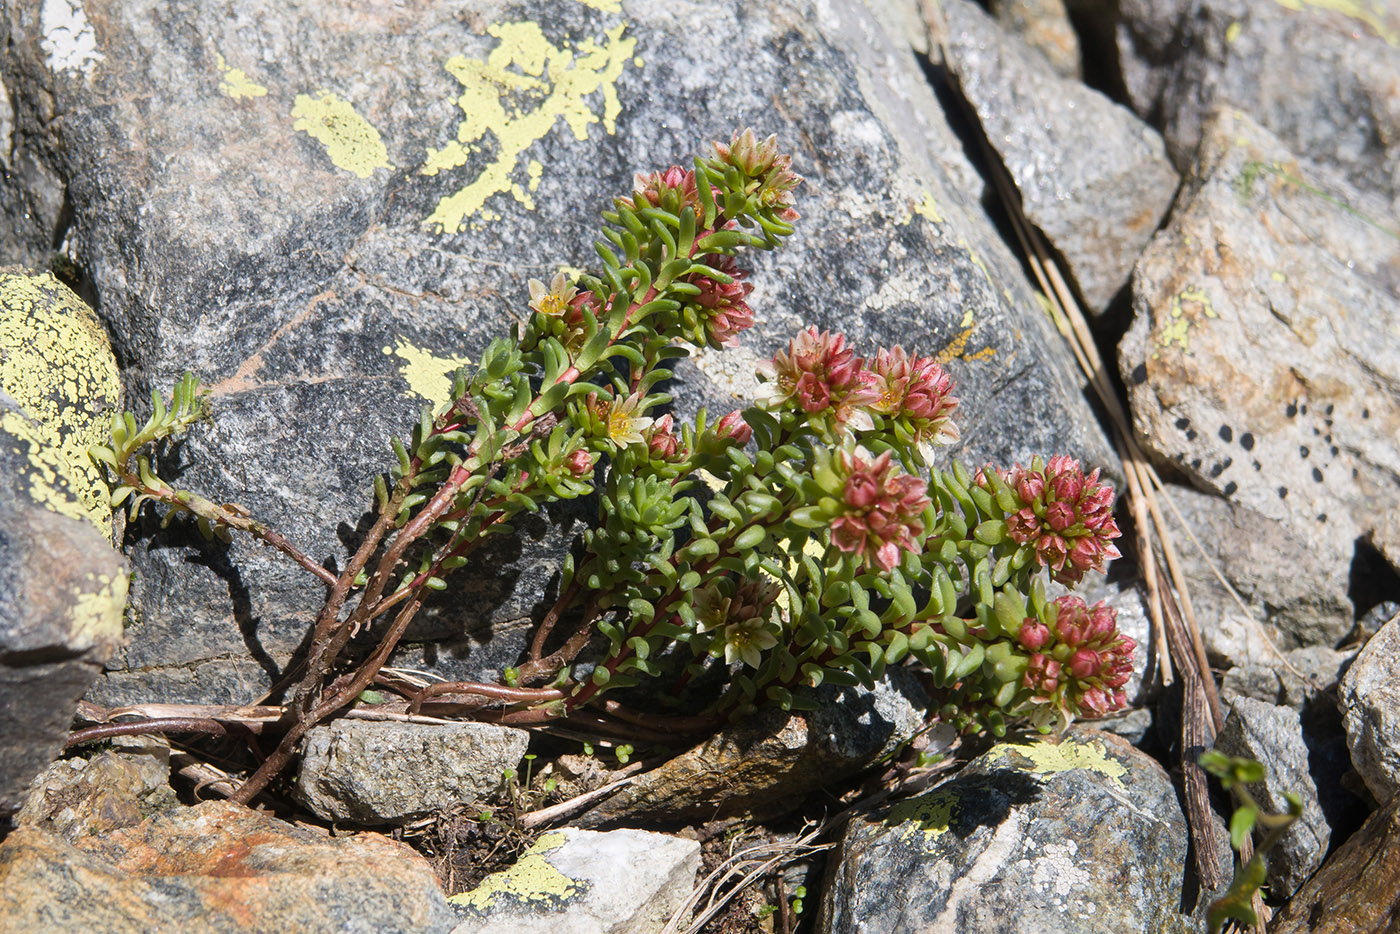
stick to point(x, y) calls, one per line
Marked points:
point(579, 462)
point(734, 429)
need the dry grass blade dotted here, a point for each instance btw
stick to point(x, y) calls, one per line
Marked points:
point(1177, 632)
point(736, 873)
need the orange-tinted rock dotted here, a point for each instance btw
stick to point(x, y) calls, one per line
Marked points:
point(217, 867)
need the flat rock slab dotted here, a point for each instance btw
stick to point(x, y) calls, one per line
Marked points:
point(574, 881)
point(1263, 356)
point(373, 772)
point(1369, 695)
point(1319, 75)
point(1083, 836)
point(1092, 176)
point(323, 211)
point(219, 868)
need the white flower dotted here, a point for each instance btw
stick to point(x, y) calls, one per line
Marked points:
point(553, 301)
point(745, 640)
point(625, 426)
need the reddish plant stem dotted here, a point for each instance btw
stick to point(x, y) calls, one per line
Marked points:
point(695, 724)
point(156, 725)
point(222, 515)
point(549, 665)
point(492, 691)
point(551, 618)
point(286, 749)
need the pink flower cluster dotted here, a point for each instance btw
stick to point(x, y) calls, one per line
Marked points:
point(675, 185)
point(1079, 667)
point(881, 509)
point(1067, 516)
point(917, 390)
point(770, 169)
point(822, 374)
point(721, 305)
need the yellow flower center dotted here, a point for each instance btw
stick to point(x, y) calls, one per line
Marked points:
point(552, 306)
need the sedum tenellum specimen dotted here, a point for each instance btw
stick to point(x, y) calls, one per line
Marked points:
point(798, 542)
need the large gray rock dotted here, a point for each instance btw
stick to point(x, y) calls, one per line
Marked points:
point(1369, 696)
point(1273, 736)
point(1260, 359)
point(380, 772)
point(1081, 836)
point(1259, 557)
point(1092, 176)
point(62, 586)
point(219, 868)
point(1320, 76)
point(323, 213)
point(573, 881)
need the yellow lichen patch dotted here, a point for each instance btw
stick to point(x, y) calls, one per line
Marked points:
point(517, 95)
point(56, 362)
point(930, 813)
point(50, 478)
point(97, 613)
point(606, 6)
point(956, 349)
point(235, 83)
point(1190, 307)
point(1232, 31)
point(1064, 756)
point(351, 141)
point(532, 879)
point(427, 374)
point(927, 208)
point(1373, 14)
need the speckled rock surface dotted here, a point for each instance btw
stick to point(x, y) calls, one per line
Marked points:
point(1293, 680)
point(322, 210)
point(1273, 735)
point(1262, 359)
point(57, 367)
point(1259, 557)
point(1319, 75)
point(119, 787)
point(62, 589)
point(1083, 836)
point(1369, 696)
point(580, 882)
point(764, 765)
point(373, 772)
point(220, 868)
point(1092, 176)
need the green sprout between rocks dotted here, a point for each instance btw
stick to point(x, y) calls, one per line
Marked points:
point(1235, 773)
point(805, 540)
